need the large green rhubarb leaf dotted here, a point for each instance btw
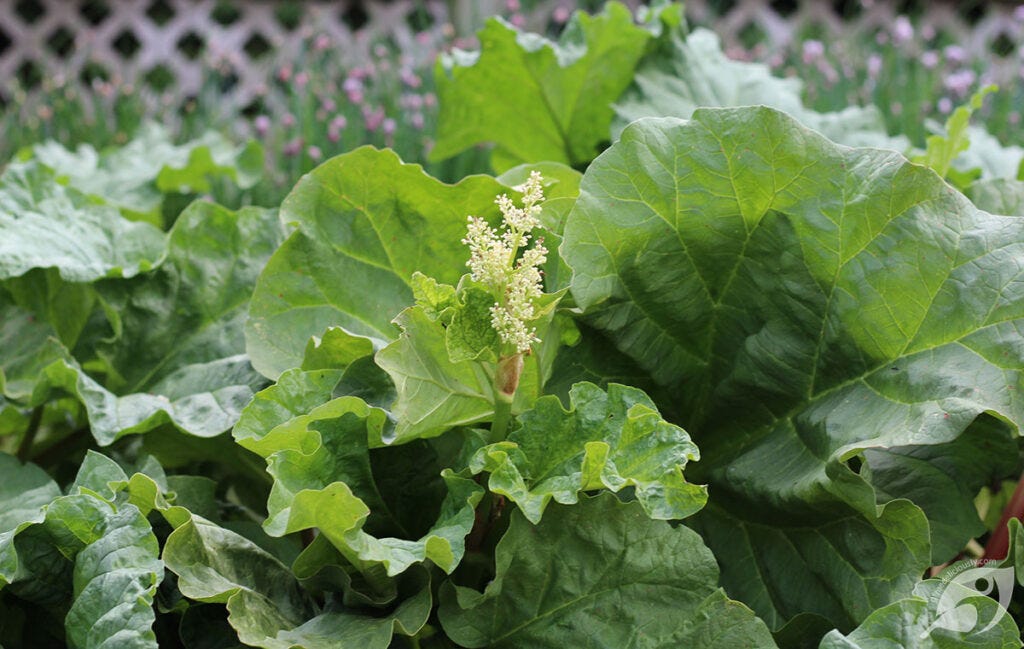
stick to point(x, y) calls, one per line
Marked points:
point(941, 614)
point(25, 490)
point(117, 571)
point(600, 574)
point(808, 306)
point(366, 222)
point(135, 177)
point(680, 75)
point(46, 225)
point(266, 605)
point(322, 465)
point(534, 99)
point(607, 440)
point(178, 351)
point(998, 196)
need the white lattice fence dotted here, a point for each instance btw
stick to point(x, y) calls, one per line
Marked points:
point(67, 40)
point(994, 34)
point(131, 38)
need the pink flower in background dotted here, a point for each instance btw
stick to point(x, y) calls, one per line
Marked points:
point(930, 59)
point(955, 54)
point(812, 51)
point(380, 51)
point(417, 121)
point(301, 79)
point(959, 83)
point(902, 30)
point(314, 152)
point(411, 101)
point(322, 42)
point(945, 105)
point(261, 124)
point(829, 72)
point(560, 15)
point(284, 75)
point(928, 32)
point(424, 38)
point(410, 78)
point(373, 119)
point(353, 88)
point(1018, 15)
point(519, 20)
point(430, 100)
point(388, 126)
point(293, 147)
point(328, 105)
point(512, 5)
point(874, 66)
point(288, 120)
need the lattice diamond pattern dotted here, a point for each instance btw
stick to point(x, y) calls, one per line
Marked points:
point(134, 38)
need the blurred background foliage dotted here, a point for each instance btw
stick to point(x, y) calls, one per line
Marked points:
point(366, 80)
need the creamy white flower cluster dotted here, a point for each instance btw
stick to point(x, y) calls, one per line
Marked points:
point(493, 263)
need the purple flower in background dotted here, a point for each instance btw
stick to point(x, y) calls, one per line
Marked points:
point(410, 78)
point(959, 83)
point(339, 122)
point(293, 147)
point(874, 66)
point(560, 15)
point(288, 120)
point(353, 88)
point(261, 124)
point(955, 54)
point(388, 126)
point(518, 20)
point(416, 119)
point(314, 152)
point(945, 105)
point(411, 101)
point(930, 59)
point(285, 73)
point(512, 5)
point(1018, 15)
point(812, 51)
point(928, 32)
point(830, 74)
point(301, 79)
point(322, 42)
point(328, 105)
point(373, 118)
point(902, 30)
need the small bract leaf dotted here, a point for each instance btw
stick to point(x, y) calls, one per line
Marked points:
point(607, 440)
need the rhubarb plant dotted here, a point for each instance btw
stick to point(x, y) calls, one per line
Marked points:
point(687, 373)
